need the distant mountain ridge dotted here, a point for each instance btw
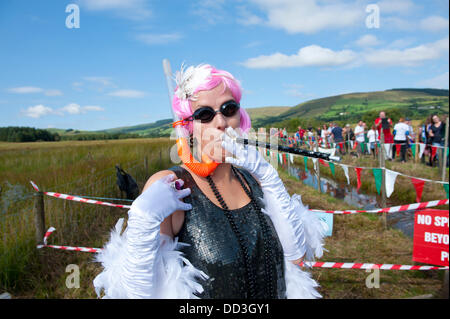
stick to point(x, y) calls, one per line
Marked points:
point(347, 106)
point(351, 106)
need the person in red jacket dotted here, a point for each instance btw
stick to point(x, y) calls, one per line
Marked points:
point(386, 124)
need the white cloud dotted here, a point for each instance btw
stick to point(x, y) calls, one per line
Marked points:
point(397, 6)
point(245, 17)
point(209, 11)
point(438, 82)
point(434, 24)
point(53, 93)
point(152, 39)
point(33, 89)
point(396, 23)
point(40, 110)
point(25, 90)
point(312, 55)
point(129, 9)
point(407, 57)
point(103, 80)
point(72, 108)
point(253, 44)
point(37, 111)
point(93, 108)
point(367, 40)
point(311, 16)
point(128, 93)
point(401, 43)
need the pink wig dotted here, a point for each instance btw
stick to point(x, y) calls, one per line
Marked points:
point(211, 78)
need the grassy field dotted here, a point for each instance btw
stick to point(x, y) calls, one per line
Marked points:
point(362, 238)
point(78, 168)
point(404, 191)
point(87, 168)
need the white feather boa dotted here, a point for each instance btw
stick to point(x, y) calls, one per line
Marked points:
point(176, 277)
point(301, 234)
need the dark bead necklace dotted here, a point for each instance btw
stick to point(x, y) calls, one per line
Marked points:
point(268, 254)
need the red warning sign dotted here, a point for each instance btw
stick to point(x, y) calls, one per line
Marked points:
point(431, 237)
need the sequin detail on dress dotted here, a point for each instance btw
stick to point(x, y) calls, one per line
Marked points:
point(215, 249)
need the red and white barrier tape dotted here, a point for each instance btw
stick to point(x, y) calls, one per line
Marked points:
point(83, 249)
point(79, 199)
point(306, 263)
point(389, 210)
point(394, 209)
point(369, 266)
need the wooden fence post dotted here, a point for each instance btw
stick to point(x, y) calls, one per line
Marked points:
point(318, 163)
point(146, 166)
point(416, 145)
point(383, 174)
point(39, 216)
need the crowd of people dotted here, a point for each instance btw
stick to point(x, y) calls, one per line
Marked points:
point(364, 139)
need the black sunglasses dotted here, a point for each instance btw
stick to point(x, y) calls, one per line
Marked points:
point(206, 114)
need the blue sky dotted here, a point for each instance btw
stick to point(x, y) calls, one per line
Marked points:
point(108, 72)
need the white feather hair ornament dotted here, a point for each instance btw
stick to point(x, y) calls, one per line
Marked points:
point(190, 79)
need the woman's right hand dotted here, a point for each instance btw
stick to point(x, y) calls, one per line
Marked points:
point(161, 199)
point(247, 156)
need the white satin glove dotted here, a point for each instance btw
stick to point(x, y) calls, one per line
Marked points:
point(248, 157)
point(161, 199)
point(143, 235)
point(283, 212)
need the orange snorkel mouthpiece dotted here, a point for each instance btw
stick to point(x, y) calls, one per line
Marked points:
point(203, 168)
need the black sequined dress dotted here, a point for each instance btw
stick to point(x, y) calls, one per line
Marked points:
point(215, 250)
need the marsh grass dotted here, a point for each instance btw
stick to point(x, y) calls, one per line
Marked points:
point(78, 168)
point(361, 238)
point(404, 191)
point(87, 168)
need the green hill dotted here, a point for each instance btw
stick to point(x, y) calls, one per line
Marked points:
point(344, 108)
point(413, 103)
point(263, 112)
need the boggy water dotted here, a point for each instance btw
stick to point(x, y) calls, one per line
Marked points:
point(403, 221)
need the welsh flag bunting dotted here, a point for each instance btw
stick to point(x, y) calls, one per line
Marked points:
point(323, 162)
point(413, 149)
point(421, 149)
point(446, 189)
point(378, 174)
point(418, 185)
point(390, 181)
point(354, 145)
point(316, 164)
point(305, 159)
point(345, 168)
point(332, 169)
point(358, 175)
point(341, 145)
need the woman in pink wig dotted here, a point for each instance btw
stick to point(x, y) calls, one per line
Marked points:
point(235, 233)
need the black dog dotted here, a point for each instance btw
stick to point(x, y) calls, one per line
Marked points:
point(126, 183)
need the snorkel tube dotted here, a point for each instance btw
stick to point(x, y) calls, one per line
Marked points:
point(206, 166)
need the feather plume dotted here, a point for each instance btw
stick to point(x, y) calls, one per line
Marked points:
point(188, 80)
